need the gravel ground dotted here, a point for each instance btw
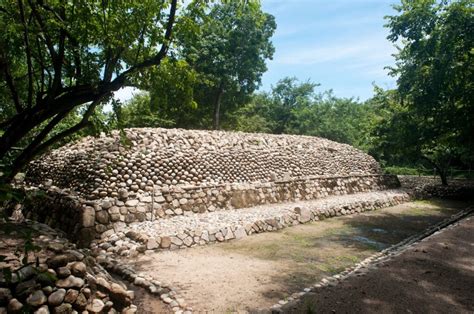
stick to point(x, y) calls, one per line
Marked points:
point(433, 276)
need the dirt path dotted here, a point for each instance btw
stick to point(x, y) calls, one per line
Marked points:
point(255, 272)
point(434, 276)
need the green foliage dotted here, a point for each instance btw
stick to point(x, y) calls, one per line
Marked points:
point(432, 117)
point(295, 108)
point(228, 52)
point(139, 113)
point(249, 118)
point(60, 61)
point(276, 112)
point(408, 171)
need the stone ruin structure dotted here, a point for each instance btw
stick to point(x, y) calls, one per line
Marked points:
point(99, 185)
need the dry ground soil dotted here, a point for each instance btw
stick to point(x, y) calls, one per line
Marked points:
point(254, 273)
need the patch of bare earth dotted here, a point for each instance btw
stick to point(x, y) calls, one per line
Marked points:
point(255, 272)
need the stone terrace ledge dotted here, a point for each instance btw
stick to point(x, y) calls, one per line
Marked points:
point(181, 232)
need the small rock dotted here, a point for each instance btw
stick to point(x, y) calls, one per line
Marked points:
point(36, 299)
point(152, 244)
point(103, 284)
point(106, 204)
point(15, 306)
point(57, 261)
point(165, 242)
point(63, 272)
point(70, 282)
point(42, 310)
point(240, 233)
point(122, 194)
point(26, 272)
point(71, 296)
point(56, 247)
point(131, 203)
point(57, 297)
point(47, 290)
point(87, 292)
point(64, 308)
point(108, 306)
point(305, 214)
point(81, 302)
point(119, 296)
point(139, 281)
point(79, 269)
point(96, 306)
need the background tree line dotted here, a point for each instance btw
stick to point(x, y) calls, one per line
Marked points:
point(200, 66)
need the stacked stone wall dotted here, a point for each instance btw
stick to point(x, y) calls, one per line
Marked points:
point(141, 160)
point(99, 184)
point(86, 219)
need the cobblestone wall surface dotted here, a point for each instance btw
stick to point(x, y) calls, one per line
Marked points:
point(143, 159)
point(147, 174)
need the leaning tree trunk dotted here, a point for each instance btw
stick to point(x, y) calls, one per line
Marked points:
point(217, 108)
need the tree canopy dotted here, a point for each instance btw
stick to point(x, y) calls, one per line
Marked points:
point(201, 65)
point(229, 52)
point(56, 56)
point(435, 70)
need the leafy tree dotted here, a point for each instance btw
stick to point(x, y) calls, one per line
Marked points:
point(295, 108)
point(137, 113)
point(57, 56)
point(435, 69)
point(171, 93)
point(276, 111)
point(254, 116)
point(331, 117)
point(229, 53)
point(387, 129)
point(289, 97)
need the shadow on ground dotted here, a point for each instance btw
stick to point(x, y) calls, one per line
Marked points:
point(435, 276)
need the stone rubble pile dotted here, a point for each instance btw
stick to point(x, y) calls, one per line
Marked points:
point(200, 229)
point(58, 279)
point(147, 159)
point(168, 294)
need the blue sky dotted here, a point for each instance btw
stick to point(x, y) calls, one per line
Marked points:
point(340, 44)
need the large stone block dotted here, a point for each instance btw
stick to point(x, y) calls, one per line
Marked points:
point(88, 217)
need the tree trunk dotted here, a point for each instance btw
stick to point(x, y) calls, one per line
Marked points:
point(443, 176)
point(217, 108)
point(442, 172)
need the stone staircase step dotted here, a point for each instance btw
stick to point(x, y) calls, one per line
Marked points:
point(212, 227)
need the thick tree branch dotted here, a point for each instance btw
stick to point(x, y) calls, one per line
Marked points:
point(40, 137)
point(59, 99)
point(83, 123)
point(36, 148)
